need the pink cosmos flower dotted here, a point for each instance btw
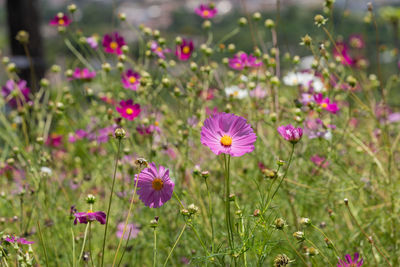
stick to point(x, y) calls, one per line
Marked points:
point(229, 134)
point(131, 227)
point(130, 79)
point(15, 93)
point(128, 110)
point(326, 104)
point(154, 186)
point(349, 262)
point(242, 60)
point(83, 74)
point(148, 129)
point(341, 51)
point(54, 140)
point(93, 41)
point(319, 161)
point(184, 50)
point(60, 20)
point(113, 43)
point(19, 240)
point(290, 133)
point(206, 11)
point(258, 92)
point(158, 50)
point(356, 41)
point(90, 216)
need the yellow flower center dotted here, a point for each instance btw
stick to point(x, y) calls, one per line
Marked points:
point(236, 93)
point(157, 184)
point(324, 105)
point(129, 111)
point(113, 45)
point(61, 22)
point(206, 13)
point(159, 49)
point(238, 65)
point(132, 79)
point(186, 49)
point(156, 123)
point(89, 211)
point(226, 140)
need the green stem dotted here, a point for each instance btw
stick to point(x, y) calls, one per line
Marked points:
point(295, 250)
point(227, 202)
point(43, 245)
point(73, 248)
point(126, 245)
point(109, 202)
point(173, 247)
point(155, 248)
point(211, 216)
point(84, 242)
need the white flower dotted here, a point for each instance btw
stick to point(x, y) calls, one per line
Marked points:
point(236, 92)
point(304, 79)
point(46, 170)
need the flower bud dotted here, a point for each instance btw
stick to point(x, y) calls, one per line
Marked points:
point(22, 37)
point(299, 235)
point(11, 67)
point(106, 67)
point(154, 223)
point(306, 40)
point(242, 21)
point(279, 223)
point(269, 23)
point(55, 68)
point(319, 20)
point(311, 251)
point(206, 24)
point(90, 199)
point(185, 212)
point(305, 221)
point(122, 16)
point(351, 81)
point(119, 133)
point(281, 260)
point(257, 16)
point(205, 174)
point(72, 8)
point(193, 209)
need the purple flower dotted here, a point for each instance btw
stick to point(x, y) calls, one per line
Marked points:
point(83, 74)
point(131, 227)
point(229, 134)
point(341, 51)
point(315, 128)
point(90, 216)
point(154, 186)
point(93, 41)
point(20, 240)
point(206, 11)
point(349, 262)
point(258, 92)
point(130, 79)
point(113, 43)
point(147, 129)
point(158, 50)
point(290, 133)
point(184, 50)
point(128, 109)
point(60, 20)
point(242, 60)
point(15, 93)
point(319, 161)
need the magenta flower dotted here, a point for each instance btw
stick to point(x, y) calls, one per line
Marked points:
point(148, 129)
point(128, 110)
point(158, 50)
point(242, 60)
point(83, 74)
point(154, 186)
point(206, 11)
point(90, 216)
point(356, 41)
point(341, 51)
point(258, 92)
point(229, 134)
point(325, 103)
point(113, 43)
point(54, 140)
point(60, 20)
point(131, 227)
point(15, 93)
point(290, 133)
point(349, 262)
point(184, 50)
point(130, 79)
point(19, 240)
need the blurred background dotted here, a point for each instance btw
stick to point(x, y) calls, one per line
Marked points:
point(176, 17)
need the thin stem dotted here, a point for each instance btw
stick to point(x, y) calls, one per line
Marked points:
point(322, 232)
point(155, 248)
point(227, 203)
point(126, 245)
point(211, 216)
point(90, 243)
point(126, 221)
point(84, 242)
point(176, 242)
point(109, 202)
point(43, 245)
point(295, 250)
point(73, 248)
point(198, 237)
point(366, 235)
